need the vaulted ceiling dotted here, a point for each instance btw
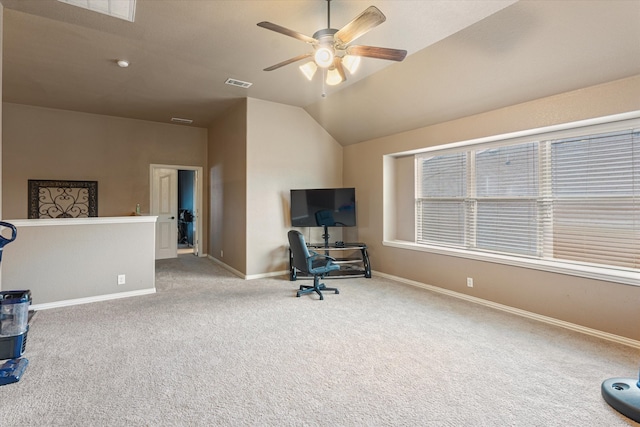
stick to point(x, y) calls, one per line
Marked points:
point(464, 57)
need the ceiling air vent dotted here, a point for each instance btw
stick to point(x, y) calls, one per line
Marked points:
point(183, 121)
point(239, 83)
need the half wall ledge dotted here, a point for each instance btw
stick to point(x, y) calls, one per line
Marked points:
point(81, 259)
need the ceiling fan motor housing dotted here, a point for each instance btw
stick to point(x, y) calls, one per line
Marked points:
point(325, 50)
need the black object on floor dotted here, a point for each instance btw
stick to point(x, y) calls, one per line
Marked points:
point(623, 394)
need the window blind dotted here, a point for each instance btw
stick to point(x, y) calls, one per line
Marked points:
point(506, 182)
point(595, 184)
point(573, 199)
point(441, 190)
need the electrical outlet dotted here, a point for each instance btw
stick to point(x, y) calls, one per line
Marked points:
point(121, 279)
point(470, 282)
point(221, 254)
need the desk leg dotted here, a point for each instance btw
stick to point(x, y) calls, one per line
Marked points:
point(367, 266)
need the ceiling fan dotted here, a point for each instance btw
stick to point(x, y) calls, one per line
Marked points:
point(332, 50)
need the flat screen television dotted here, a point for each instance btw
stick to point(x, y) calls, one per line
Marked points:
point(323, 207)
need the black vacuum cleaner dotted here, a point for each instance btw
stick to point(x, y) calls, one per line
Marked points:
point(623, 395)
point(14, 324)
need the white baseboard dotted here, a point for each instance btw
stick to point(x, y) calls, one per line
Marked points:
point(267, 275)
point(226, 267)
point(249, 276)
point(98, 298)
point(545, 319)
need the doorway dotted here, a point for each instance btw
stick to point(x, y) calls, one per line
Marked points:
point(186, 209)
point(176, 199)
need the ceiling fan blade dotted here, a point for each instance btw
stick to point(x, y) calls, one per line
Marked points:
point(289, 61)
point(370, 18)
point(287, 32)
point(377, 52)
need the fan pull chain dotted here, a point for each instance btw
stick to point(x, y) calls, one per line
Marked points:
point(324, 84)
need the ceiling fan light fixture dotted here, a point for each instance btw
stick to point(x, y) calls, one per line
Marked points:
point(333, 77)
point(309, 69)
point(351, 63)
point(333, 51)
point(323, 57)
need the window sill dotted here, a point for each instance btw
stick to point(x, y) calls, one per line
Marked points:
point(625, 277)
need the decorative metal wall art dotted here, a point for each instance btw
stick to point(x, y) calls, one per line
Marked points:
point(63, 199)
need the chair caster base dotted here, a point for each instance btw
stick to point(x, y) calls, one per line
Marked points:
point(304, 289)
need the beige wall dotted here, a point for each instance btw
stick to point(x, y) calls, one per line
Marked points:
point(286, 149)
point(1, 56)
point(227, 163)
point(44, 143)
point(258, 151)
point(604, 306)
point(70, 259)
point(404, 201)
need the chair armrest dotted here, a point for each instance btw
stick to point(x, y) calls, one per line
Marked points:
point(317, 255)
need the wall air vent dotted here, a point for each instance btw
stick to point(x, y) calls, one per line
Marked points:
point(239, 83)
point(183, 121)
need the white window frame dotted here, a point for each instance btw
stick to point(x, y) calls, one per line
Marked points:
point(592, 126)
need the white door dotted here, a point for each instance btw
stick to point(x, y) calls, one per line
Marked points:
point(164, 204)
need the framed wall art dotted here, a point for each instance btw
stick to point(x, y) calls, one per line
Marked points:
point(62, 199)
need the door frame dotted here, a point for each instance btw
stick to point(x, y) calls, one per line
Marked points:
point(198, 193)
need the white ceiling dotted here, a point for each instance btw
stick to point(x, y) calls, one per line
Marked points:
point(464, 57)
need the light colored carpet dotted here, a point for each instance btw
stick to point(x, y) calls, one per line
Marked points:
point(211, 349)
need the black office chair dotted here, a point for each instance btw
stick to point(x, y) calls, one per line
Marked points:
point(311, 263)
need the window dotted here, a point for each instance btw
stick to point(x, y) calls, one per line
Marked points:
point(568, 198)
point(441, 200)
point(595, 193)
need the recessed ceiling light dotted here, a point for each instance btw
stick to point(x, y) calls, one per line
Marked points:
point(123, 9)
point(122, 63)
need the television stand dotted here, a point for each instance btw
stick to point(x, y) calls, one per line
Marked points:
point(351, 257)
point(325, 236)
